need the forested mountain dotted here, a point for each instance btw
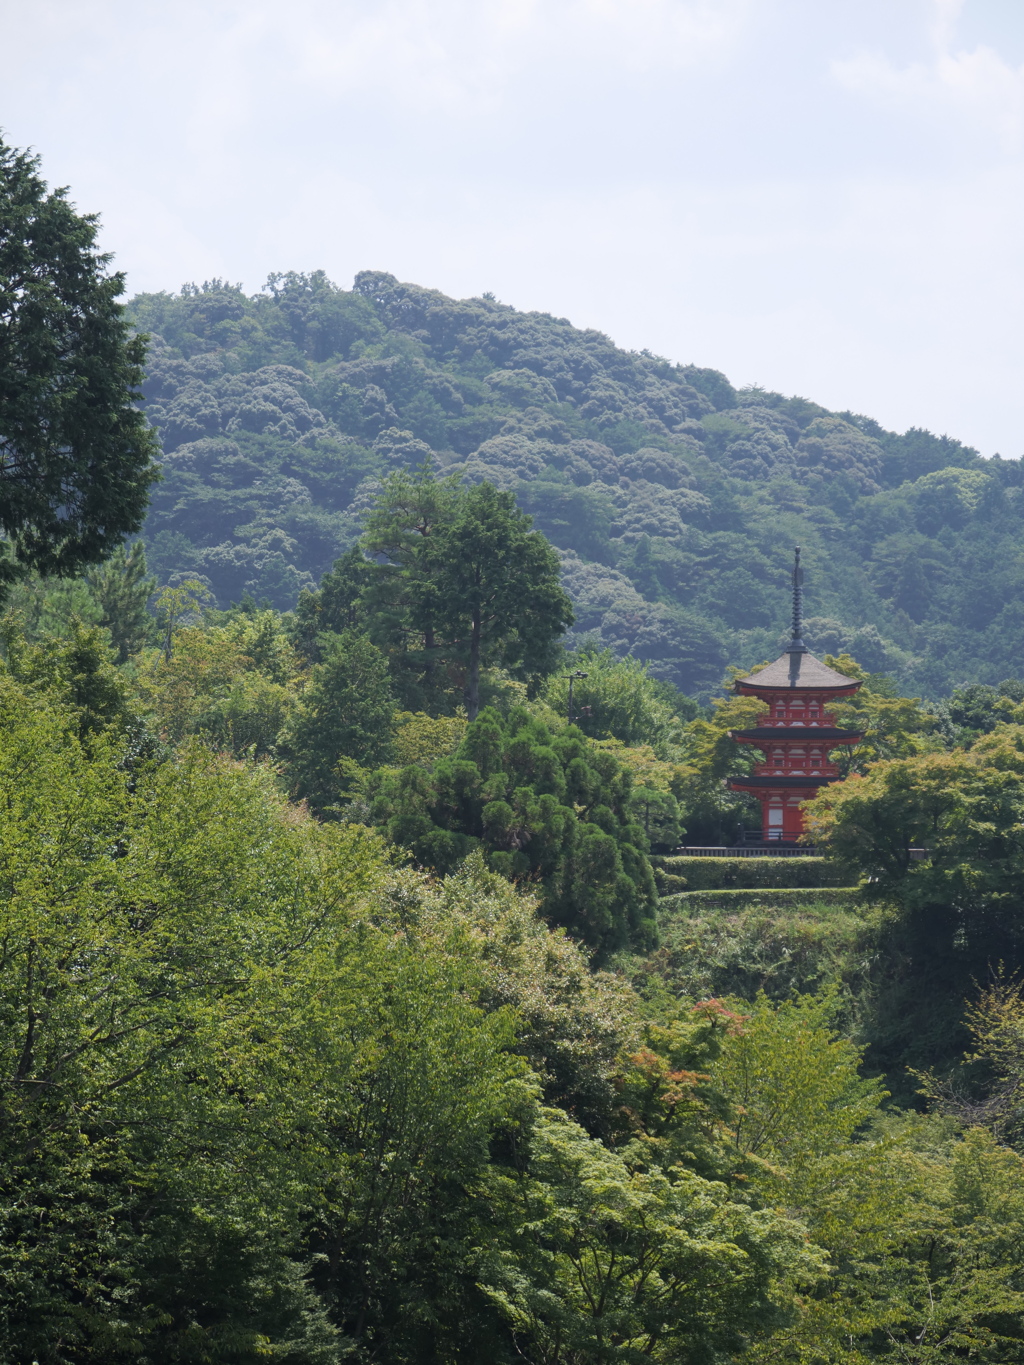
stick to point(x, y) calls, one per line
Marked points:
point(673, 499)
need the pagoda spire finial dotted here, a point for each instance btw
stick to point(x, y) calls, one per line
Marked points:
point(796, 645)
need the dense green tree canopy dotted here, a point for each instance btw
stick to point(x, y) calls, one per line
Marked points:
point(263, 1095)
point(76, 454)
point(270, 1089)
point(448, 581)
point(275, 1084)
point(547, 808)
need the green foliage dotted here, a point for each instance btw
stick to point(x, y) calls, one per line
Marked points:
point(268, 1093)
point(456, 584)
point(794, 1085)
point(75, 669)
point(892, 726)
point(122, 590)
point(184, 601)
point(495, 590)
point(783, 897)
point(47, 606)
point(546, 808)
point(233, 685)
point(421, 738)
point(976, 709)
point(264, 1093)
point(608, 1263)
point(618, 699)
point(709, 755)
point(573, 1022)
point(76, 455)
point(957, 908)
point(136, 1082)
point(921, 1229)
point(988, 1086)
point(737, 943)
point(336, 606)
point(398, 598)
point(345, 713)
point(262, 1096)
point(963, 807)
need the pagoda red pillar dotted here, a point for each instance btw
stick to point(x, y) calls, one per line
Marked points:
point(796, 735)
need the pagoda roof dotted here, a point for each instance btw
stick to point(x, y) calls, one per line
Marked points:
point(797, 669)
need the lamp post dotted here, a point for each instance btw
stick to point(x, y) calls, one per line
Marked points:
point(573, 678)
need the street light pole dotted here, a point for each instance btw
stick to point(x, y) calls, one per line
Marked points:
point(572, 678)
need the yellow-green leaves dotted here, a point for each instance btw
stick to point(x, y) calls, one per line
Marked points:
point(893, 726)
point(605, 1263)
point(795, 1090)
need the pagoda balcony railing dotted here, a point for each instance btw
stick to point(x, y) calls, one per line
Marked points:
point(826, 721)
point(748, 850)
point(829, 771)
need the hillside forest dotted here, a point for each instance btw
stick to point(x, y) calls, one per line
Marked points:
point(672, 499)
point(359, 1001)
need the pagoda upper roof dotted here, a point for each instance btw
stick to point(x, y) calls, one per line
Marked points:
point(800, 670)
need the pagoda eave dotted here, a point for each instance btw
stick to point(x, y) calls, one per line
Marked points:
point(751, 689)
point(821, 734)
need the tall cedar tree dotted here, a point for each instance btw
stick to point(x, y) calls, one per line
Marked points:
point(76, 454)
point(466, 585)
point(398, 597)
point(496, 589)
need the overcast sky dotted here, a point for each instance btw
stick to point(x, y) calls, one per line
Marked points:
point(821, 196)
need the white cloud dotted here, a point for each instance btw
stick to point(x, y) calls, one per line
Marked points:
point(468, 54)
point(976, 86)
point(826, 198)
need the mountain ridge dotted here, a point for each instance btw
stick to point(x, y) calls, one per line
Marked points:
point(673, 498)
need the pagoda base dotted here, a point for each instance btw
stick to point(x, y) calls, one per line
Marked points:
point(782, 816)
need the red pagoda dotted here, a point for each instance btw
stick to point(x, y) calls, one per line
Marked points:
point(796, 734)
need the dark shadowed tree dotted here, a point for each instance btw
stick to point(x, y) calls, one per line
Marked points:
point(76, 454)
point(345, 714)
